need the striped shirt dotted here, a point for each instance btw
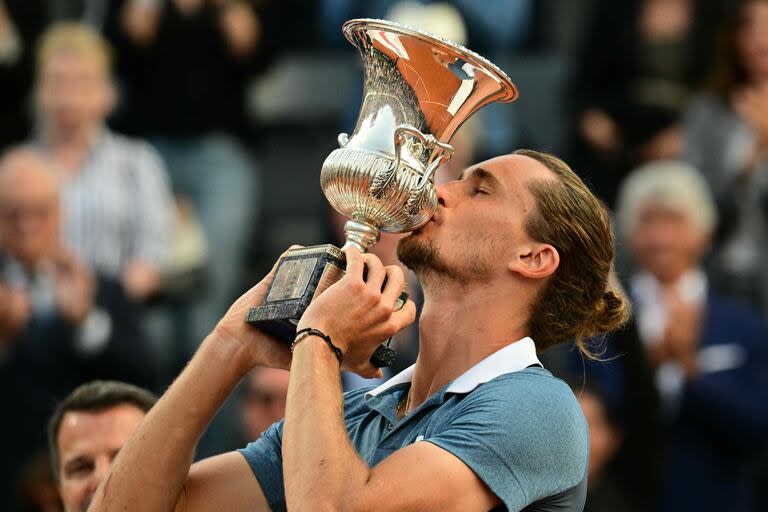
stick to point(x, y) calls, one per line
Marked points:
point(118, 207)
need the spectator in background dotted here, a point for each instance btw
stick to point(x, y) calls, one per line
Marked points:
point(19, 25)
point(726, 136)
point(263, 401)
point(489, 26)
point(604, 492)
point(116, 200)
point(87, 431)
point(38, 491)
point(709, 354)
point(624, 383)
point(639, 63)
point(494, 28)
point(60, 324)
point(186, 65)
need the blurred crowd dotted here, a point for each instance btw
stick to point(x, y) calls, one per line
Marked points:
point(158, 155)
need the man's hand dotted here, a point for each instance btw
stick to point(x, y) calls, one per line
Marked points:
point(600, 131)
point(681, 337)
point(140, 20)
point(241, 28)
point(358, 314)
point(263, 350)
point(15, 310)
point(666, 144)
point(75, 287)
point(141, 279)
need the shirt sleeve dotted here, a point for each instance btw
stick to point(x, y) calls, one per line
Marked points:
point(153, 225)
point(266, 460)
point(523, 444)
point(265, 455)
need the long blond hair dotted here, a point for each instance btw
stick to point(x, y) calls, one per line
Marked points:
point(578, 302)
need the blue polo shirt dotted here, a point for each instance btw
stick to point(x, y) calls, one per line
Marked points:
point(516, 426)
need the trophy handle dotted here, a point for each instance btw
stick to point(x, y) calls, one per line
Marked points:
point(430, 142)
point(381, 180)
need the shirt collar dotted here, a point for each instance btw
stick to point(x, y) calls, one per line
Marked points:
point(100, 137)
point(512, 358)
point(692, 287)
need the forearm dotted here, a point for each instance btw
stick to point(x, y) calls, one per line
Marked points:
point(152, 467)
point(320, 464)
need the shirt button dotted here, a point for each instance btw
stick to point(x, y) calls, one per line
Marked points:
point(390, 426)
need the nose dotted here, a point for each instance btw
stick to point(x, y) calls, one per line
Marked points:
point(99, 473)
point(446, 194)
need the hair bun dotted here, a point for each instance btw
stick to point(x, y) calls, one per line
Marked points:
point(611, 312)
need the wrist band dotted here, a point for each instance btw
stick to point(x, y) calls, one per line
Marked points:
point(309, 331)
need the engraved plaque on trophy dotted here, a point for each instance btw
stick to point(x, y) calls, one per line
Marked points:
point(419, 89)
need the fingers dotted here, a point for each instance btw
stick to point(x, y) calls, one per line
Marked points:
point(403, 317)
point(366, 371)
point(355, 263)
point(395, 285)
point(376, 272)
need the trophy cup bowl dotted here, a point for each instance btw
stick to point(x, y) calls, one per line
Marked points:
point(419, 89)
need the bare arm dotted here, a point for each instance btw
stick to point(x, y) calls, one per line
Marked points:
point(322, 470)
point(152, 471)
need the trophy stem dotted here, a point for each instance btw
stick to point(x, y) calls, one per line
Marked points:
point(360, 235)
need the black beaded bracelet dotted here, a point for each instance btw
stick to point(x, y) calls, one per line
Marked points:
point(309, 331)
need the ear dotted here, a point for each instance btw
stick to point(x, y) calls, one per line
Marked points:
point(535, 261)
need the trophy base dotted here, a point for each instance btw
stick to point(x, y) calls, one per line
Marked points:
point(303, 274)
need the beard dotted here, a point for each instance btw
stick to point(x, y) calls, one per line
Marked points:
point(423, 257)
point(420, 256)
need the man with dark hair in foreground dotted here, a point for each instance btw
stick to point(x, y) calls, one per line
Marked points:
point(515, 259)
point(87, 430)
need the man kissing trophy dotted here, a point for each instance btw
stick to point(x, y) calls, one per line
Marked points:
point(419, 89)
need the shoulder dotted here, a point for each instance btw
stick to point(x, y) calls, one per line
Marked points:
point(534, 412)
point(137, 152)
point(528, 412)
point(534, 392)
point(526, 426)
point(708, 104)
point(709, 112)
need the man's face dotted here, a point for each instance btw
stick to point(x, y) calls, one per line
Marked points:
point(88, 442)
point(29, 213)
point(74, 91)
point(752, 40)
point(480, 221)
point(264, 401)
point(665, 243)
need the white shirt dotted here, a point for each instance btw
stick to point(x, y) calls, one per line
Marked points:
point(652, 316)
point(512, 358)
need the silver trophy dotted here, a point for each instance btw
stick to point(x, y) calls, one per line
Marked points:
point(419, 89)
